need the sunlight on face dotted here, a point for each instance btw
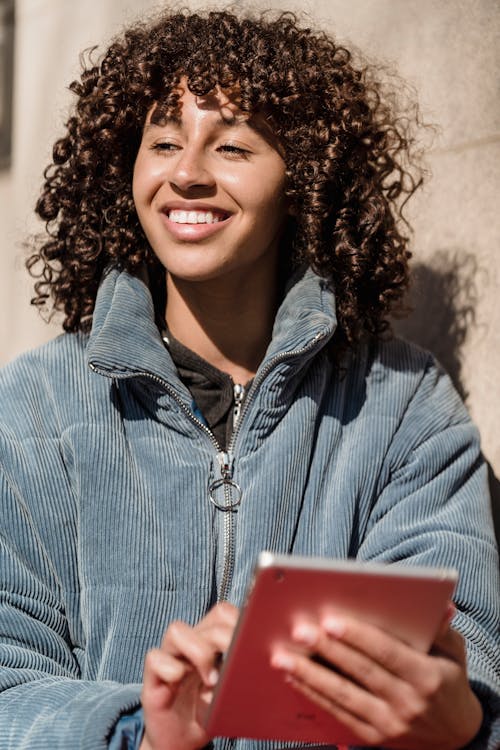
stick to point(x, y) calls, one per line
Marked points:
point(208, 187)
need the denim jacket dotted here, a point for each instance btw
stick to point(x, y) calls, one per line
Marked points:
point(107, 531)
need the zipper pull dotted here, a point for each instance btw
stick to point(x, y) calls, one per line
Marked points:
point(224, 493)
point(226, 465)
point(239, 395)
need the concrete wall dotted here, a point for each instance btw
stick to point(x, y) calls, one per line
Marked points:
point(448, 49)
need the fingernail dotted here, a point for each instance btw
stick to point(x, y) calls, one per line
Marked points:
point(451, 611)
point(334, 626)
point(305, 633)
point(280, 660)
point(207, 695)
point(212, 678)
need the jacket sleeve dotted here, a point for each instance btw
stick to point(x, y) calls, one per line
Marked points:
point(129, 732)
point(43, 701)
point(433, 508)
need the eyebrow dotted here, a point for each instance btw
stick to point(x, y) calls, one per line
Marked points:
point(221, 122)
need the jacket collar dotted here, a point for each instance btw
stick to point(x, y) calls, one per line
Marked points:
point(125, 340)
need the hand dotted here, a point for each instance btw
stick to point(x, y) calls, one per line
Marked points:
point(179, 678)
point(385, 691)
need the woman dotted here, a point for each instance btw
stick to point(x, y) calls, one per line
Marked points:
point(225, 247)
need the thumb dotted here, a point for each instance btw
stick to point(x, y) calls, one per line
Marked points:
point(448, 616)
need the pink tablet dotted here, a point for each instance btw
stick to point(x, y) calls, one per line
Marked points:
point(252, 699)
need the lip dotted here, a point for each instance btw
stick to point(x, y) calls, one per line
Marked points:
point(193, 232)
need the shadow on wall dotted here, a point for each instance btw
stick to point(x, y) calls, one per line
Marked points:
point(443, 301)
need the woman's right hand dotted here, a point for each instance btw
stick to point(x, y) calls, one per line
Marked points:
point(179, 678)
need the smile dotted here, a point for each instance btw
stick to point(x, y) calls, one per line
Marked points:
point(195, 217)
point(195, 225)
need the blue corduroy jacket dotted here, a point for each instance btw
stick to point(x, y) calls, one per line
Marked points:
point(107, 532)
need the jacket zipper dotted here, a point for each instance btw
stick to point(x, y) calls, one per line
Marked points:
point(226, 458)
point(239, 412)
point(225, 461)
point(239, 395)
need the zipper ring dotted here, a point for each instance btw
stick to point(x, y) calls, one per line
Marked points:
point(230, 485)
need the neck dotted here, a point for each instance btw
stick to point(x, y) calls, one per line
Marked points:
point(229, 324)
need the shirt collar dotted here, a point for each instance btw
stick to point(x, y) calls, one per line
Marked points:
point(125, 340)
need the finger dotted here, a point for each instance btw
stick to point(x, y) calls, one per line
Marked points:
point(200, 649)
point(161, 667)
point(447, 618)
point(366, 733)
point(450, 644)
point(385, 649)
point(356, 665)
point(415, 669)
point(162, 674)
point(205, 697)
point(333, 687)
point(219, 635)
point(222, 614)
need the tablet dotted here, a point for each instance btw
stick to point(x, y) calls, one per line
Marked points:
point(252, 699)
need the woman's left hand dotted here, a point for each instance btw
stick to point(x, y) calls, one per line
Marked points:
point(385, 691)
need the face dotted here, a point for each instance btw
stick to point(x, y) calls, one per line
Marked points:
point(208, 187)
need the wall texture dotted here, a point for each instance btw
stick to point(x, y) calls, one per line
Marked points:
point(448, 49)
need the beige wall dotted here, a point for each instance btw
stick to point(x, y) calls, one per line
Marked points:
point(449, 49)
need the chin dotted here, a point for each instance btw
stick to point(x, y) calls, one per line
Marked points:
point(196, 274)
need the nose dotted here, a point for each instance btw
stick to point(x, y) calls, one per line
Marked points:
point(191, 170)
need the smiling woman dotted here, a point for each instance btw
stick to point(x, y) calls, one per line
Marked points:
point(348, 158)
point(224, 238)
point(201, 163)
point(209, 161)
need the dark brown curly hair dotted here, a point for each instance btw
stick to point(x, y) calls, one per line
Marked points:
point(347, 155)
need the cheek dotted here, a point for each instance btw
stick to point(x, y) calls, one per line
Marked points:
point(272, 204)
point(137, 181)
point(263, 195)
point(148, 177)
point(270, 193)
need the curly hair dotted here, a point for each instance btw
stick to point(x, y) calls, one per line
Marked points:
point(348, 156)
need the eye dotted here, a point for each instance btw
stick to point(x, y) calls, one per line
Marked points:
point(233, 151)
point(164, 147)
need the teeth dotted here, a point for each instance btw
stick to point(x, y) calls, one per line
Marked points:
point(193, 217)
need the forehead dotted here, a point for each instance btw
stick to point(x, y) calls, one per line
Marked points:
point(220, 108)
point(219, 103)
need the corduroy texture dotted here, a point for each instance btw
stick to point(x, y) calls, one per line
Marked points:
point(107, 533)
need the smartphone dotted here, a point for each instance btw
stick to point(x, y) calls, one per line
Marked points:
point(252, 699)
